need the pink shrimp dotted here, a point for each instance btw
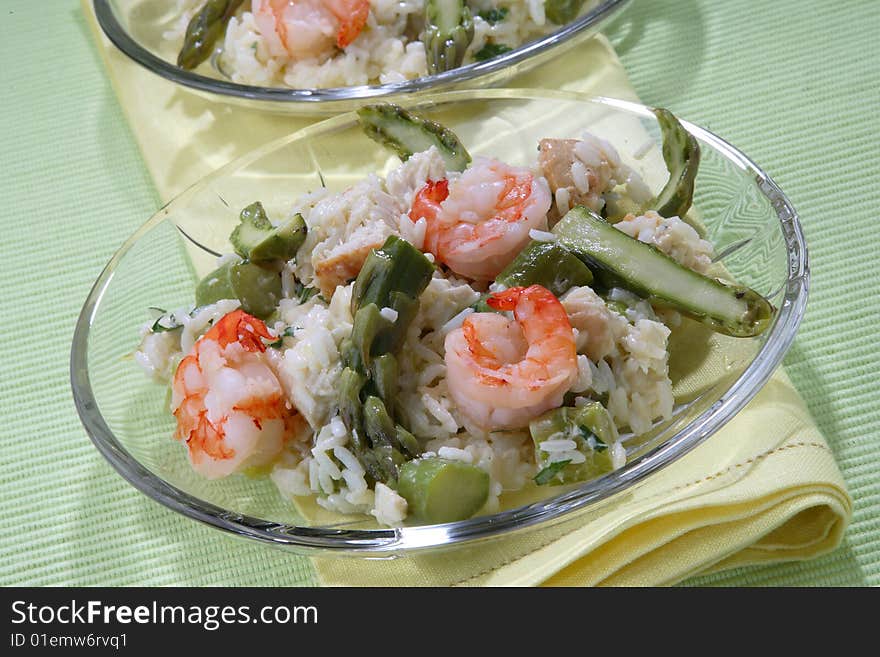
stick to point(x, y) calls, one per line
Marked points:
point(230, 407)
point(308, 28)
point(504, 373)
point(477, 223)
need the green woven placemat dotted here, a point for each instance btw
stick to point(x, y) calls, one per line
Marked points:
point(793, 87)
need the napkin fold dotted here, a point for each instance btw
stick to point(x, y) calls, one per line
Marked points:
point(765, 488)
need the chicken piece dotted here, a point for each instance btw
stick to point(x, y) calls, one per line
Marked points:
point(341, 264)
point(578, 171)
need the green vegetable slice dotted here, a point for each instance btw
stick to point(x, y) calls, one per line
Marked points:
point(449, 30)
point(733, 310)
point(407, 133)
point(257, 240)
point(548, 264)
point(681, 152)
point(397, 267)
point(204, 29)
point(439, 490)
point(258, 289)
point(590, 428)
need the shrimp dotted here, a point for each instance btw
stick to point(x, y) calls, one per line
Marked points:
point(230, 407)
point(503, 373)
point(309, 28)
point(479, 222)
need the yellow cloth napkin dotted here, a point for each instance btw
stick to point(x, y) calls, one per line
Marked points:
point(764, 488)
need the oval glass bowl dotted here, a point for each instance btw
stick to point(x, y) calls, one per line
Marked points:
point(749, 220)
point(136, 28)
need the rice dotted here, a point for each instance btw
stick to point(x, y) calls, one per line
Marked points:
point(583, 172)
point(628, 361)
point(344, 226)
point(159, 353)
point(455, 454)
point(620, 341)
point(542, 235)
point(384, 52)
point(676, 238)
point(310, 365)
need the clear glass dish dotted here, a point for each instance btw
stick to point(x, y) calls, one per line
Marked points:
point(136, 28)
point(752, 224)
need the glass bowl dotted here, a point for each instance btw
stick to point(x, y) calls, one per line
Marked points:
point(136, 28)
point(748, 218)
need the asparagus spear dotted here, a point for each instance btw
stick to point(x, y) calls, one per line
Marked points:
point(541, 263)
point(645, 270)
point(562, 11)
point(368, 323)
point(681, 152)
point(203, 30)
point(256, 239)
point(448, 33)
point(392, 277)
point(406, 133)
point(397, 267)
point(382, 432)
point(258, 289)
point(383, 374)
point(438, 490)
point(546, 263)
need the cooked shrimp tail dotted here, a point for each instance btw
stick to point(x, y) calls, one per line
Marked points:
point(478, 223)
point(503, 373)
point(230, 407)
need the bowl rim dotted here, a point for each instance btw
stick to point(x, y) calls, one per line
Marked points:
point(392, 541)
point(120, 37)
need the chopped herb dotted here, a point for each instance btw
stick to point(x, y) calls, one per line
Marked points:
point(170, 325)
point(547, 474)
point(494, 15)
point(490, 51)
point(289, 332)
point(596, 443)
point(304, 293)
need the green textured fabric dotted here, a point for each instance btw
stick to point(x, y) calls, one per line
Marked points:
point(795, 88)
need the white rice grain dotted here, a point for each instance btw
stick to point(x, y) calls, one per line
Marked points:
point(558, 445)
point(542, 235)
point(579, 176)
point(563, 200)
point(348, 459)
point(389, 313)
point(456, 321)
point(455, 454)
